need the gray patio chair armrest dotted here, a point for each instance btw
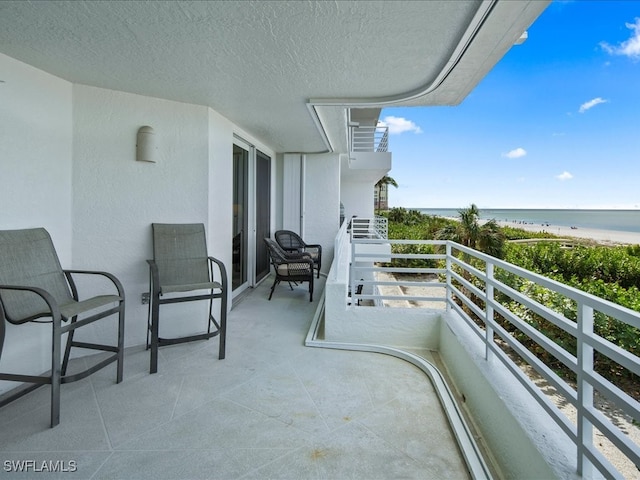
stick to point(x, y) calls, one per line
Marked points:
point(69, 274)
point(154, 276)
point(54, 309)
point(222, 270)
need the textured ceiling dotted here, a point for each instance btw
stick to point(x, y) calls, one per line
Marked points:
point(279, 69)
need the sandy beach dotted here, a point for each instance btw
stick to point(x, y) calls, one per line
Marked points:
point(603, 236)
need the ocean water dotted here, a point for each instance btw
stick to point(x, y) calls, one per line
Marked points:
point(618, 220)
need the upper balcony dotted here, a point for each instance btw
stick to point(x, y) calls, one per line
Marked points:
point(369, 158)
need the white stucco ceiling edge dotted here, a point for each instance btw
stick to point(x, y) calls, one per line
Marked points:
point(324, 111)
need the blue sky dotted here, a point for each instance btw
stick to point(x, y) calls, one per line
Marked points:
point(556, 124)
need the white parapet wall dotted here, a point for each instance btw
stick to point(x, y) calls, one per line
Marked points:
point(523, 440)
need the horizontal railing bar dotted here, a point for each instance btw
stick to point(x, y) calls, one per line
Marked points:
point(616, 436)
point(398, 242)
point(545, 312)
point(570, 361)
point(468, 320)
point(468, 303)
point(619, 355)
point(469, 268)
point(569, 428)
point(540, 367)
point(399, 297)
point(399, 269)
point(622, 400)
point(403, 284)
point(479, 293)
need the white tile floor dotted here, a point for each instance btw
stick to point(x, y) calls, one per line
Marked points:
point(272, 409)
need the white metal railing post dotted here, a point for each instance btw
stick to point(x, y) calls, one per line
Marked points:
point(585, 389)
point(488, 287)
point(449, 293)
point(352, 290)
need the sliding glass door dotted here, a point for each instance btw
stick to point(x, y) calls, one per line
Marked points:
point(263, 213)
point(251, 215)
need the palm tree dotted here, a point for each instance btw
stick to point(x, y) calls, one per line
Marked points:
point(486, 237)
point(386, 180)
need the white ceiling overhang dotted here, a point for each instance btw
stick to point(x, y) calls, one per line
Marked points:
point(284, 71)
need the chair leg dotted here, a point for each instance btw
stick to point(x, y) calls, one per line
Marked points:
point(120, 367)
point(67, 350)
point(149, 322)
point(55, 373)
point(155, 310)
point(223, 326)
point(311, 288)
point(275, 282)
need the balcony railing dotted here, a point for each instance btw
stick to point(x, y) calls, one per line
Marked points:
point(369, 228)
point(370, 139)
point(479, 289)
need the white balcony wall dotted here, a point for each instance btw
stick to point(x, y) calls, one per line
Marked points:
point(116, 198)
point(357, 198)
point(322, 203)
point(292, 192)
point(35, 152)
point(378, 163)
point(35, 173)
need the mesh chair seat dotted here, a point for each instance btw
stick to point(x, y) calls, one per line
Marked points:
point(188, 287)
point(181, 265)
point(74, 308)
point(33, 286)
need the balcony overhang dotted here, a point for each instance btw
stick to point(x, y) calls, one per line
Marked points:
point(366, 167)
point(261, 64)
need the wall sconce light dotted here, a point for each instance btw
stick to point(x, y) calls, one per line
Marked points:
point(146, 145)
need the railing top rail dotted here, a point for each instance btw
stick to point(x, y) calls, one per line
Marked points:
point(629, 316)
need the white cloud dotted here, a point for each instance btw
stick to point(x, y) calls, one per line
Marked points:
point(629, 48)
point(515, 153)
point(591, 103)
point(564, 176)
point(399, 125)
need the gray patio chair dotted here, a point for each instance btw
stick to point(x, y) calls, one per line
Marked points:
point(291, 267)
point(35, 288)
point(292, 242)
point(181, 265)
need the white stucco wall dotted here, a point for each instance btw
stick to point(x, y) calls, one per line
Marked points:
point(357, 198)
point(220, 200)
point(322, 203)
point(35, 152)
point(116, 198)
